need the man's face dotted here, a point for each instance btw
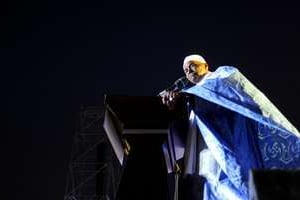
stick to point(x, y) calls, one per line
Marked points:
point(194, 72)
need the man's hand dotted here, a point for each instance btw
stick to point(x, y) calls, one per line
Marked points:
point(169, 98)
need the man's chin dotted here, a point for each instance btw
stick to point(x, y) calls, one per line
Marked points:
point(195, 80)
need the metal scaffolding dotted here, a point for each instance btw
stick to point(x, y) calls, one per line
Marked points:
point(94, 172)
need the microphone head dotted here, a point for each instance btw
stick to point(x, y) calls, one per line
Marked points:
point(181, 83)
point(178, 85)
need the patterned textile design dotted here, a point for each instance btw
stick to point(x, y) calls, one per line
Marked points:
point(278, 149)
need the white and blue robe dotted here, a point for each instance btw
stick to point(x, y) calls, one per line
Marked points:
point(242, 129)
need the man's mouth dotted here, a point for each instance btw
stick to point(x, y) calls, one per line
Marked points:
point(193, 74)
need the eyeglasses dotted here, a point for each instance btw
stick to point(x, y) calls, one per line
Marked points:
point(191, 67)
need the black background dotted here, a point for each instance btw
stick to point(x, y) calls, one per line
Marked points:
point(58, 55)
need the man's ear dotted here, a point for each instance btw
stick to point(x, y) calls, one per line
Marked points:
point(202, 69)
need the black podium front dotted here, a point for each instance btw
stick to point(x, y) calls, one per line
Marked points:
point(137, 127)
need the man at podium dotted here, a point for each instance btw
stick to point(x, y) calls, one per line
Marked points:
point(232, 128)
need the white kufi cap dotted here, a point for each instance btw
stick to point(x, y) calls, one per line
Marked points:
point(193, 58)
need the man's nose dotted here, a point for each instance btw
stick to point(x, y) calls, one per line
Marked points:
point(192, 67)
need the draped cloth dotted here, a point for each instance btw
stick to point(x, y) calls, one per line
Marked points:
point(242, 129)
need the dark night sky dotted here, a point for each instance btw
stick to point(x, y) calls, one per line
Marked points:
point(55, 56)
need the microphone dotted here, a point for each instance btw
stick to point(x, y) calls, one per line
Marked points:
point(178, 85)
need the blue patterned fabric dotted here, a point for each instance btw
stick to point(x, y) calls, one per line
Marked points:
point(243, 130)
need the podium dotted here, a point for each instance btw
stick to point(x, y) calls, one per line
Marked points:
point(136, 127)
